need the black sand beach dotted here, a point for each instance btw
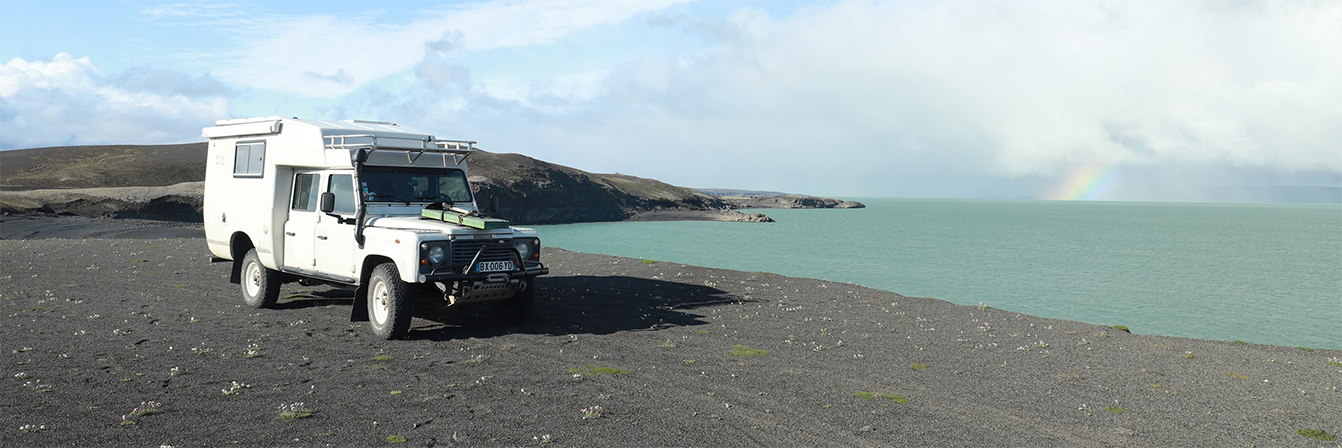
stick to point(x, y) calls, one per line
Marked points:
point(657, 353)
point(30, 227)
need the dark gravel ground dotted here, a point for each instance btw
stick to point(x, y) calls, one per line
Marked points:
point(29, 227)
point(672, 355)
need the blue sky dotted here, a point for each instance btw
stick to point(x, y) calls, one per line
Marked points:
point(1171, 100)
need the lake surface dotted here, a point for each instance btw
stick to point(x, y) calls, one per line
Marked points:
point(1264, 273)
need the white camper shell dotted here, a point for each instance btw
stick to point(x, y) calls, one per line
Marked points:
point(343, 203)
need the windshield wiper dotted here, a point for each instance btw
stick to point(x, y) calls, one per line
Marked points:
point(385, 197)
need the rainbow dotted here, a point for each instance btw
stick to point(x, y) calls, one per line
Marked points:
point(1086, 183)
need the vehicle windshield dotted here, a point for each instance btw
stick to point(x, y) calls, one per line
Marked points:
point(407, 184)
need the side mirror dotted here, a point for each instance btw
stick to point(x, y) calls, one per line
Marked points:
point(327, 203)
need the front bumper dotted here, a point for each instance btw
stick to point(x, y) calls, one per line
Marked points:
point(528, 270)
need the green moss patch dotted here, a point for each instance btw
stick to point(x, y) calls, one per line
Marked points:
point(741, 350)
point(1317, 434)
point(897, 398)
point(918, 366)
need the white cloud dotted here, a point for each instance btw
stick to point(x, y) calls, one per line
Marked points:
point(847, 97)
point(66, 101)
point(328, 56)
point(928, 95)
point(19, 75)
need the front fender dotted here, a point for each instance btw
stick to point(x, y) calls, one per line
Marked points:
point(397, 246)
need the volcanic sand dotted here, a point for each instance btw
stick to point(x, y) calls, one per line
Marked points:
point(623, 352)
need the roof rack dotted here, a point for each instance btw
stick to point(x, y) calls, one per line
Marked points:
point(460, 149)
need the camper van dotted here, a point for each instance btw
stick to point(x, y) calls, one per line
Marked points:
point(376, 206)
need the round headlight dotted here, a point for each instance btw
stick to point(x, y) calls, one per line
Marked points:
point(436, 254)
point(523, 248)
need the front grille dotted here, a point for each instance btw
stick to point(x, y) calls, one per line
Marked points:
point(495, 250)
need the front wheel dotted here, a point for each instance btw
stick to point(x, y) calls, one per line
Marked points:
point(389, 302)
point(260, 285)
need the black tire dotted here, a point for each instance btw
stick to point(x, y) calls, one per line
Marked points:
point(519, 309)
point(260, 285)
point(390, 305)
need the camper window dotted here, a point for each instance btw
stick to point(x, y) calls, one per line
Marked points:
point(249, 159)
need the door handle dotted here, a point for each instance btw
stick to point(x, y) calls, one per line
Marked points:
point(321, 237)
point(290, 233)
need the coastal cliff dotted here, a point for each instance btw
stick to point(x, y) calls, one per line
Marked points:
point(791, 201)
point(164, 182)
point(523, 189)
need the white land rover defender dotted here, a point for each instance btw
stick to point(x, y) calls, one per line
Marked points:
point(371, 205)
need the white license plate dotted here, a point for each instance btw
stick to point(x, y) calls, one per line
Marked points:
point(494, 266)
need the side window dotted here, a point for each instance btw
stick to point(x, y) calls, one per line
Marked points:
point(249, 159)
point(305, 192)
point(342, 185)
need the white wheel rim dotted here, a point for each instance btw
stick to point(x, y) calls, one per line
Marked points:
point(381, 302)
point(253, 279)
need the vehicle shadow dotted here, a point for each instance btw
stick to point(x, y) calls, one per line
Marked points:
point(583, 305)
point(314, 298)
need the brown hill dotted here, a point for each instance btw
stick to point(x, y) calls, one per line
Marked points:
point(102, 166)
point(534, 191)
point(96, 181)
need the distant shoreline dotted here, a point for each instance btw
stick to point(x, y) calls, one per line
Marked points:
point(19, 226)
point(182, 203)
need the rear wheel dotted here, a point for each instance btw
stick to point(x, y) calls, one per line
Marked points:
point(260, 285)
point(390, 304)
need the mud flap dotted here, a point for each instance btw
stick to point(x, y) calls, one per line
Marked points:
point(360, 311)
point(235, 273)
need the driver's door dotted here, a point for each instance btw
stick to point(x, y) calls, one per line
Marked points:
point(334, 244)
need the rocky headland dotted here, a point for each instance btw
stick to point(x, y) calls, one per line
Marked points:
point(790, 201)
point(165, 182)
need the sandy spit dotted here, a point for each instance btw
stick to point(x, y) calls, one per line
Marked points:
point(624, 352)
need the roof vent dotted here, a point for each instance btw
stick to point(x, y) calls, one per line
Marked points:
point(387, 123)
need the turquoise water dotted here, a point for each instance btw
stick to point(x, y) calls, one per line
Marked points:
point(1265, 273)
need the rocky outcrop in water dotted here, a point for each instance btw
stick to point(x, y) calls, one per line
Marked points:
point(792, 201)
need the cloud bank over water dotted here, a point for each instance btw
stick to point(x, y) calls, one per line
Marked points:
point(866, 98)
